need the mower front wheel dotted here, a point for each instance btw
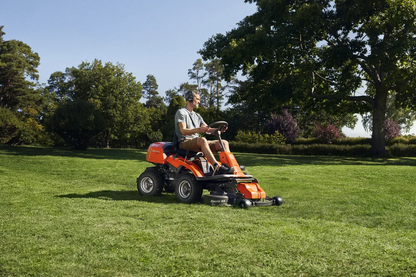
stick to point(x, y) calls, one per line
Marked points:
point(150, 182)
point(187, 189)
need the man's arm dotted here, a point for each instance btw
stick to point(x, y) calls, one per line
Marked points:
point(187, 132)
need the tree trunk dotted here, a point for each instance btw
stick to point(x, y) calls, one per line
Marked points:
point(378, 144)
point(107, 140)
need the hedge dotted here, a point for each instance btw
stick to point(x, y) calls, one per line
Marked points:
point(361, 150)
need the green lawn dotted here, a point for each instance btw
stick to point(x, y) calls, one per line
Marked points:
point(68, 213)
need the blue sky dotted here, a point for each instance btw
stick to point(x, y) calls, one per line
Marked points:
point(147, 36)
point(157, 37)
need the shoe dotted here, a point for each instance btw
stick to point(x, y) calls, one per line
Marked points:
point(220, 170)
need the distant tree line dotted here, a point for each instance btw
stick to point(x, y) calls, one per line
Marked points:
point(308, 69)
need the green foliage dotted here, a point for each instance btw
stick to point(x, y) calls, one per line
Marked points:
point(21, 102)
point(168, 127)
point(150, 93)
point(114, 92)
point(9, 125)
point(402, 150)
point(317, 55)
point(17, 63)
point(155, 136)
point(301, 149)
point(253, 137)
point(77, 122)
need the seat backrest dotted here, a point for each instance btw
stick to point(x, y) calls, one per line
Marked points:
point(175, 141)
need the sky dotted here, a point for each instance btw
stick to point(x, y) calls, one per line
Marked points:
point(158, 37)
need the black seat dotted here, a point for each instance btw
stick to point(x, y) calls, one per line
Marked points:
point(168, 148)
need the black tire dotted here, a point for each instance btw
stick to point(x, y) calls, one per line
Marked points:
point(150, 182)
point(277, 201)
point(187, 189)
point(245, 204)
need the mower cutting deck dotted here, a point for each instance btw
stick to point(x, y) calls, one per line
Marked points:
point(188, 173)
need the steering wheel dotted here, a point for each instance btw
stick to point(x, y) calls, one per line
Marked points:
point(221, 125)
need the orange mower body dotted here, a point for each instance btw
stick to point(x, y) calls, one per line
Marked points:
point(188, 174)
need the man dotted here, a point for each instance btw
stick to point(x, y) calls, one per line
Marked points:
point(187, 126)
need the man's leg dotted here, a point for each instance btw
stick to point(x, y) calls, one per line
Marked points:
point(204, 146)
point(225, 143)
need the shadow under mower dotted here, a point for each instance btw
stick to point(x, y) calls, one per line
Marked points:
point(188, 173)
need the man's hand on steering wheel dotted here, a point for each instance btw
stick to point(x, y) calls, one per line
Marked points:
point(222, 126)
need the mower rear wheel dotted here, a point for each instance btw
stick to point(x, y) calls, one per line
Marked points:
point(277, 201)
point(187, 189)
point(150, 182)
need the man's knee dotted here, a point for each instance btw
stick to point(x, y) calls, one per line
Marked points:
point(202, 141)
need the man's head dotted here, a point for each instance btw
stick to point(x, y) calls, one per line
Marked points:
point(193, 97)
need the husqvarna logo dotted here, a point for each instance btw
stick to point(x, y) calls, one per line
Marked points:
point(155, 151)
point(221, 201)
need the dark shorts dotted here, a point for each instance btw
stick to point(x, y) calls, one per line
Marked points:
point(192, 145)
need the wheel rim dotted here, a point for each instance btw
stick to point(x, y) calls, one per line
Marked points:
point(184, 189)
point(147, 185)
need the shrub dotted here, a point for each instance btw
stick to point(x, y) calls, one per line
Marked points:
point(314, 149)
point(254, 137)
point(155, 136)
point(398, 140)
point(327, 134)
point(286, 125)
point(306, 141)
point(402, 150)
point(392, 129)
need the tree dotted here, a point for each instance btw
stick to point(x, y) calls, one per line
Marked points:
point(151, 94)
point(61, 84)
point(215, 73)
point(402, 116)
point(9, 125)
point(197, 73)
point(19, 95)
point(77, 122)
point(293, 51)
point(113, 91)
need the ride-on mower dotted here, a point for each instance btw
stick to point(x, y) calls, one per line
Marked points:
point(188, 173)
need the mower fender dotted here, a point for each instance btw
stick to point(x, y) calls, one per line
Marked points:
point(251, 190)
point(178, 162)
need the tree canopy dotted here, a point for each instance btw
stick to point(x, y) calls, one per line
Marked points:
point(348, 54)
point(21, 99)
point(112, 90)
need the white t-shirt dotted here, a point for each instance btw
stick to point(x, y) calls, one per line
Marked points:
point(191, 119)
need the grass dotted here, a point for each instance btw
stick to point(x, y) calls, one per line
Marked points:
point(68, 213)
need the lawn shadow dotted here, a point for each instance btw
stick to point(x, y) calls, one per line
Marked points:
point(92, 153)
point(125, 195)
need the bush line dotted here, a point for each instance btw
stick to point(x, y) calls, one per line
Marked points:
point(360, 150)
